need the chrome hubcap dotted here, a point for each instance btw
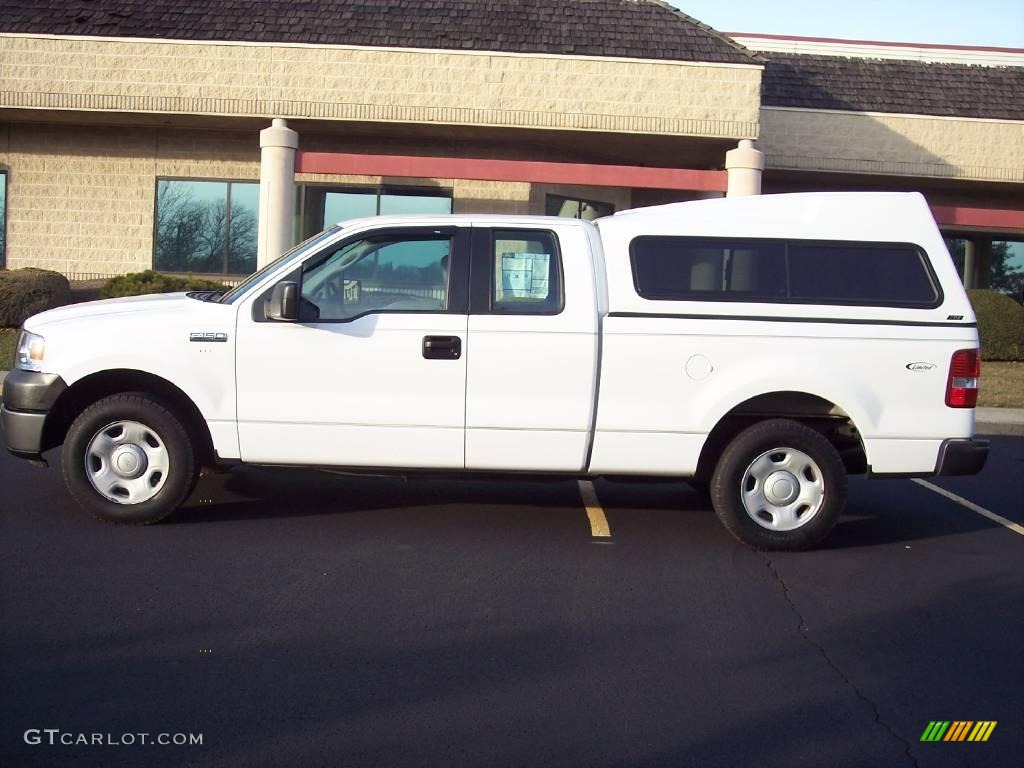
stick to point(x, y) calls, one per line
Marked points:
point(782, 489)
point(127, 462)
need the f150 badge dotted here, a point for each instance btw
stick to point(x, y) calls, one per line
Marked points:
point(207, 337)
point(920, 366)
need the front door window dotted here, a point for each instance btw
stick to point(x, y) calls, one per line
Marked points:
point(377, 274)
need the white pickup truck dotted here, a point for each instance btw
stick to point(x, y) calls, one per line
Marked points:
point(761, 347)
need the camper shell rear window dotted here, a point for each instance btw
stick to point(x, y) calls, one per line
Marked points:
point(669, 268)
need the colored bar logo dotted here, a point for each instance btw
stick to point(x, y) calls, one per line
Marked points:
point(958, 730)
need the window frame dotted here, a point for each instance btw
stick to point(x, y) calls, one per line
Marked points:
point(458, 274)
point(739, 242)
point(482, 273)
point(227, 223)
point(578, 199)
point(6, 174)
point(379, 190)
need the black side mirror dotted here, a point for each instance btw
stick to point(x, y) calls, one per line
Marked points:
point(283, 303)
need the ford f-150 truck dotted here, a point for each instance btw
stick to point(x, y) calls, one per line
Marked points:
point(762, 348)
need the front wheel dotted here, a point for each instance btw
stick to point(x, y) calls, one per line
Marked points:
point(779, 485)
point(128, 459)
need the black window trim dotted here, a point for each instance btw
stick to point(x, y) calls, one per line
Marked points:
point(482, 273)
point(578, 199)
point(786, 242)
point(458, 274)
point(3, 217)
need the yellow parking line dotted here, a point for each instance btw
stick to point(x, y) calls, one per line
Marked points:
point(972, 506)
point(598, 522)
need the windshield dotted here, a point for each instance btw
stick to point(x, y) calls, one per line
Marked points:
point(254, 278)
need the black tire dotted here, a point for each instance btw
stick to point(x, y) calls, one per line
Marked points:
point(768, 442)
point(182, 468)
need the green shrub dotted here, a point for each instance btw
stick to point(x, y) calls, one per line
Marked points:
point(139, 283)
point(1000, 325)
point(26, 292)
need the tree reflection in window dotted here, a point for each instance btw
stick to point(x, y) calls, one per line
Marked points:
point(206, 226)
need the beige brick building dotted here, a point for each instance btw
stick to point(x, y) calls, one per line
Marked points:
point(130, 140)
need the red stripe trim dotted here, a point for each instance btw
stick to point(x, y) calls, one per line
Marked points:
point(934, 46)
point(511, 170)
point(993, 218)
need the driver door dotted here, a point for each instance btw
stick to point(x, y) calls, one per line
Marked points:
point(373, 373)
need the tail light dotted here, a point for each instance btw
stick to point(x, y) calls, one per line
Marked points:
point(964, 373)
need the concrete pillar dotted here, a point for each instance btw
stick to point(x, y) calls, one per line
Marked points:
point(970, 252)
point(744, 165)
point(277, 190)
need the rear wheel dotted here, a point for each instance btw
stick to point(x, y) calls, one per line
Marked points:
point(779, 485)
point(128, 459)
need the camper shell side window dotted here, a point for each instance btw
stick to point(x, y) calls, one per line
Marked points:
point(667, 268)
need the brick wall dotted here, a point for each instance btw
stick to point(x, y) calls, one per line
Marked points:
point(80, 199)
point(851, 142)
point(348, 83)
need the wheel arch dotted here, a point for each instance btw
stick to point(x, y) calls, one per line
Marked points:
point(89, 389)
point(820, 413)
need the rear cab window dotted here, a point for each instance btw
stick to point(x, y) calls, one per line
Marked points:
point(525, 272)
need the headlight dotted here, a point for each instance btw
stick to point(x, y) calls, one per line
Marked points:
point(31, 349)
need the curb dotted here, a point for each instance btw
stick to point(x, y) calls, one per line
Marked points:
point(990, 428)
point(999, 421)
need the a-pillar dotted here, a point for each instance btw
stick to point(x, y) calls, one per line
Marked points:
point(745, 165)
point(277, 190)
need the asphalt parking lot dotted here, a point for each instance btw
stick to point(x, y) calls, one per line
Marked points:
point(300, 618)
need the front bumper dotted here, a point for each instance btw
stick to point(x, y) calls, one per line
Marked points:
point(23, 432)
point(962, 456)
point(27, 401)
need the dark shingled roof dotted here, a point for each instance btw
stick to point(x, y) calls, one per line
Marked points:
point(645, 29)
point(890, 85)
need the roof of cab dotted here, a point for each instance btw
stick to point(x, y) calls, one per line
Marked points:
point(458, 219)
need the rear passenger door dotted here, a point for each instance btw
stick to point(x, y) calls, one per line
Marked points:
point(532, 349)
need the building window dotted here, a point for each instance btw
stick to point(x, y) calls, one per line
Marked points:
point(1006, 267)
point(575, 208)
point(957, 248)
point(996, 265)
point(323, 206)
point(3, 220)
point(207, 227)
